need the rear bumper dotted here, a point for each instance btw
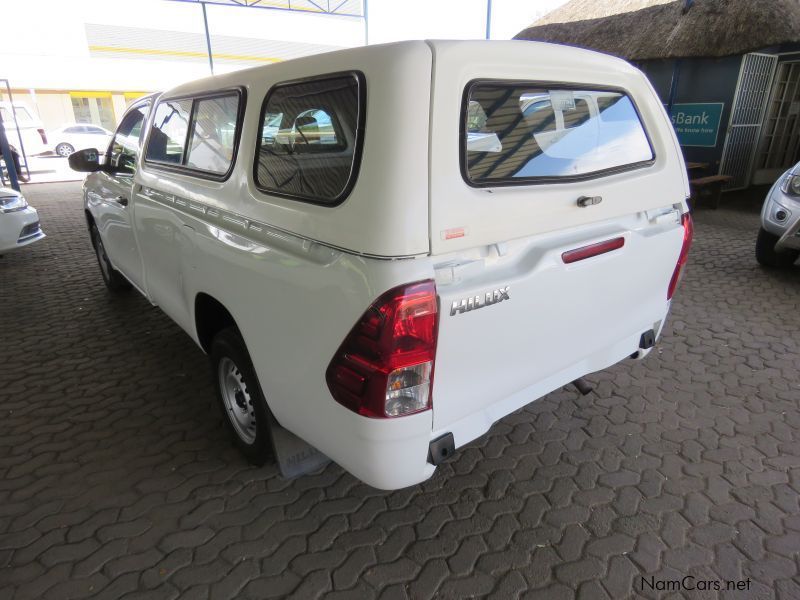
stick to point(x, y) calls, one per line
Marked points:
point(395, 453)
point(475, 425)
point(478, 423)
point(387, 454)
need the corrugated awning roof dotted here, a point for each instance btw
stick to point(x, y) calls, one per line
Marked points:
point(339, 8)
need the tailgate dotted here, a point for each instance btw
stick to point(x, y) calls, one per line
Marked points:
point(554, 150)
point(544, 316)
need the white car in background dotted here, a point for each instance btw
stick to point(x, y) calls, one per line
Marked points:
point(31, 130)
point(19, 221)
point(78, 136)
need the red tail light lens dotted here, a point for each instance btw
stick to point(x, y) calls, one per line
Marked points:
point(384, 367)
point(688, 233)
point(42, 135)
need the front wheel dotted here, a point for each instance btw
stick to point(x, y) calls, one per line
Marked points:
point(113, 279)
point(766, 254)
point(240, 397)
point(65, 149)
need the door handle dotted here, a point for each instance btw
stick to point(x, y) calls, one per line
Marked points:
point(122, 200)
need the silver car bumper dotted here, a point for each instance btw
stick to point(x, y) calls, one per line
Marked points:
point(780, 216)
point(791, 237)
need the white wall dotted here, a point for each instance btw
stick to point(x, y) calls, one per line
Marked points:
point(45, 45)
point(54, 109)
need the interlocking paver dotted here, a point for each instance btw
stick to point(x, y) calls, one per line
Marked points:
point(95, 561)
point(118, 481)
point(313, 586)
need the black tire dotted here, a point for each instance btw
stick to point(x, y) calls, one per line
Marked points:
point(766, 255)
point(245, 405)
point(114, 280)
point(65, 149)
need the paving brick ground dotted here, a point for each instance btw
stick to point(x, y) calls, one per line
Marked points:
point(117, 481)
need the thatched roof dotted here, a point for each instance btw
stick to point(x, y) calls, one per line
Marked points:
point(649, 29)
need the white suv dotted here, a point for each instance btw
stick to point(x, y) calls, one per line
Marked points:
point(778, 242)
point(367, 276)
point(27, 132)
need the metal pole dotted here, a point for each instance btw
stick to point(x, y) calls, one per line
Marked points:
point(673, 85)
point(9, 160)
point(208, 38)
point(488, 19)
point(366, 23)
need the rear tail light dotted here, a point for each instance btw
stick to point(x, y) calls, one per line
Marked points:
point(42, 135)
point(688, 232)
point(384, 367)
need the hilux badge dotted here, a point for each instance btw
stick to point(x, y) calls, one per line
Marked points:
point(476, 302)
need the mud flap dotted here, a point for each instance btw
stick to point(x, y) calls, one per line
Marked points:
point(294, 456)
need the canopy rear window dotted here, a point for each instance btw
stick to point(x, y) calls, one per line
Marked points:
point(518, 133)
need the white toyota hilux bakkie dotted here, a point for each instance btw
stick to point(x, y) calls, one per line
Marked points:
point(384, 250)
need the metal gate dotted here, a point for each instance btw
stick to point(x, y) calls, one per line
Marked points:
point(747, 115)
point(779, 147)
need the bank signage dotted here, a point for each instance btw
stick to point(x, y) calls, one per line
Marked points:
point(697, 124)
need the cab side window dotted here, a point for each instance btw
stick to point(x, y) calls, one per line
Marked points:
point(124, 148)
point(213, 134)
point(198, 135)
point(168, 135)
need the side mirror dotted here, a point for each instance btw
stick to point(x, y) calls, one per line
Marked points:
point(85, 161)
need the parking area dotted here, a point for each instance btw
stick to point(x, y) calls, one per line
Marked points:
point(47, 168)
point(117, 479)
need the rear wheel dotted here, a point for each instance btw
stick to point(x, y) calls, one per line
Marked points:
point(65, 149)
point(766, 254)
point(113, 279)
point(240, 397)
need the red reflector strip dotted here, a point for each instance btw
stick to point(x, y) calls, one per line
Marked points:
point(349, 379)
point(584, 252)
